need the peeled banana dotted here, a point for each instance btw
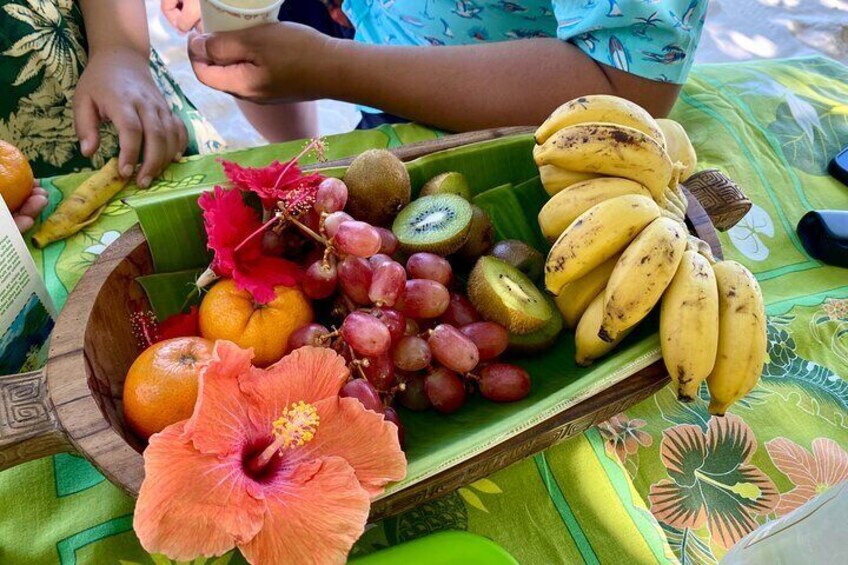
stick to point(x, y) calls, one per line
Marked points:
point(641, 275)
point(588, 346)
point(689, 324)
point(596, 235)
point(576, 296)
point(558, 212)
point(612, 150)
point(678, 146)
point(600, 108)
point(741, 338)
point(555, 179)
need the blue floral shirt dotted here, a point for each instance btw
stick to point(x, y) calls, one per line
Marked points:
point(654, 39)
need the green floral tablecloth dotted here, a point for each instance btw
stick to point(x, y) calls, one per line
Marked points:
point(663, 481)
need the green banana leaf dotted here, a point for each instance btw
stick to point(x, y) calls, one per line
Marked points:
point(505, 183)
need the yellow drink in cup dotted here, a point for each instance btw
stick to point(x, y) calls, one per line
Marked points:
point(231, 15)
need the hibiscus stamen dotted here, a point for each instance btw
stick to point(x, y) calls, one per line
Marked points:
point(320, 147)
point(295, 427)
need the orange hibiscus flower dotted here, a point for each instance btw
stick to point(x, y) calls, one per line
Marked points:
point(272, 461)
point(811, 474)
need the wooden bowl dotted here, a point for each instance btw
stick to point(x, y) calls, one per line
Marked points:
point(74, 403)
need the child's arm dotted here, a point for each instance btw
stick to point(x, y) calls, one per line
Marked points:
point(456, 88)
point(117, 86)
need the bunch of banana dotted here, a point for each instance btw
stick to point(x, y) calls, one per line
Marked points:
point(620, 247)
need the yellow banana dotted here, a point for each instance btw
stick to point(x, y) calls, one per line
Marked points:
point(682, 199)
point(596, 235)
point(576, 296)
point(611, 150)
point(588, 346)
point(670, 204)
point(741, 336)
point(600, 108)
point(558, 212)
point(678, 146)
point(555, 179)
point(689, 324)
point(641, 275)
point(701, 247)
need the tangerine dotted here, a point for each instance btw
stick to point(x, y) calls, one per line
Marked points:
point(227, 312)
point(161, 385)
point(15, 176)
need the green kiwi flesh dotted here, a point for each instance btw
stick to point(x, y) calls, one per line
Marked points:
point(447, 183)
point(438, 223)
point(481, 235)
point(503, 294)
point(378, 187)
point(540, 340)
point(523, 257)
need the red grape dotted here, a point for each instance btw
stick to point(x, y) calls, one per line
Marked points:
point(425, 299)
point(460, 311)
point(390, 243)
point(320, 280)
point(380, 372)
point(411, 353)
point(331, 196)
point(445, 390)
point(387, 283)
point(364, 392)
point(311, 219)
point(501, 382)
point(365, 334)
point(357, 238)
point(310, 334)
point(394, 320)
point(355, 278)
point(453, 349)
point(334, 220)
point(490, 338)
point(391, 415)
point(411, 327)
point(378, 259)
point(413, 396)
point(429, 266)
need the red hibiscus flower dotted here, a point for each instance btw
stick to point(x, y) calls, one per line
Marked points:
point(229, 223)
point(278, 182)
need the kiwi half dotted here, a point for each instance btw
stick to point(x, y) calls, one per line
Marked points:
point(481, 235)
point(447, 183)
point(438, 224)
point(541, 339)
point(503, 294)
point(378, 187)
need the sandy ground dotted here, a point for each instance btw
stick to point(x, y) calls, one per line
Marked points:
point(736, 30)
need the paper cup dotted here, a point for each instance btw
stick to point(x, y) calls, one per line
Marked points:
point(228, 15)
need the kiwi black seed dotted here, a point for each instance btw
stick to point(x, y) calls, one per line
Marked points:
point(526, 259)
point(439, 224)
point(481, 235)
point(447, 183)
point(378, 187)
point(503, 294)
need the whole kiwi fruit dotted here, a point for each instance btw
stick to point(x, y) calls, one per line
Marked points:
point(378, 187)
point(481, 235)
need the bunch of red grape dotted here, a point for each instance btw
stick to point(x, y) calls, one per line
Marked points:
point(405, 329)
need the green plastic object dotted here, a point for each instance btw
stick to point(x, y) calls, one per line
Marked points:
point(443, 548)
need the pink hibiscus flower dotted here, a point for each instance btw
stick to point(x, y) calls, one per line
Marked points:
point(811, 474)
point(278, 182)
point(272, 461)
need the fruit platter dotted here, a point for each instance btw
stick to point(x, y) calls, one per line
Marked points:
point(487, 298)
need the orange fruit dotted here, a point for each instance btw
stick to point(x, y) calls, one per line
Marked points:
point(161, 385)
point(230, 313)
point(15, 176)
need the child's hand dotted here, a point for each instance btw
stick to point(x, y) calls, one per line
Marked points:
point(270, 63)
point(31, 208)
point(183, 14)
point(116, 86)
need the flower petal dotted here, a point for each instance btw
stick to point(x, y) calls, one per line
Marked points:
point(228, 221)
point(308, 373)
point(793, 461)
point(220, 423)
point(683, 450)
point(191, 503)
point(315, 513)
point(363, 438)
point(831, 461)
point(791, 500)
point(681, 507)
point(260, 275)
